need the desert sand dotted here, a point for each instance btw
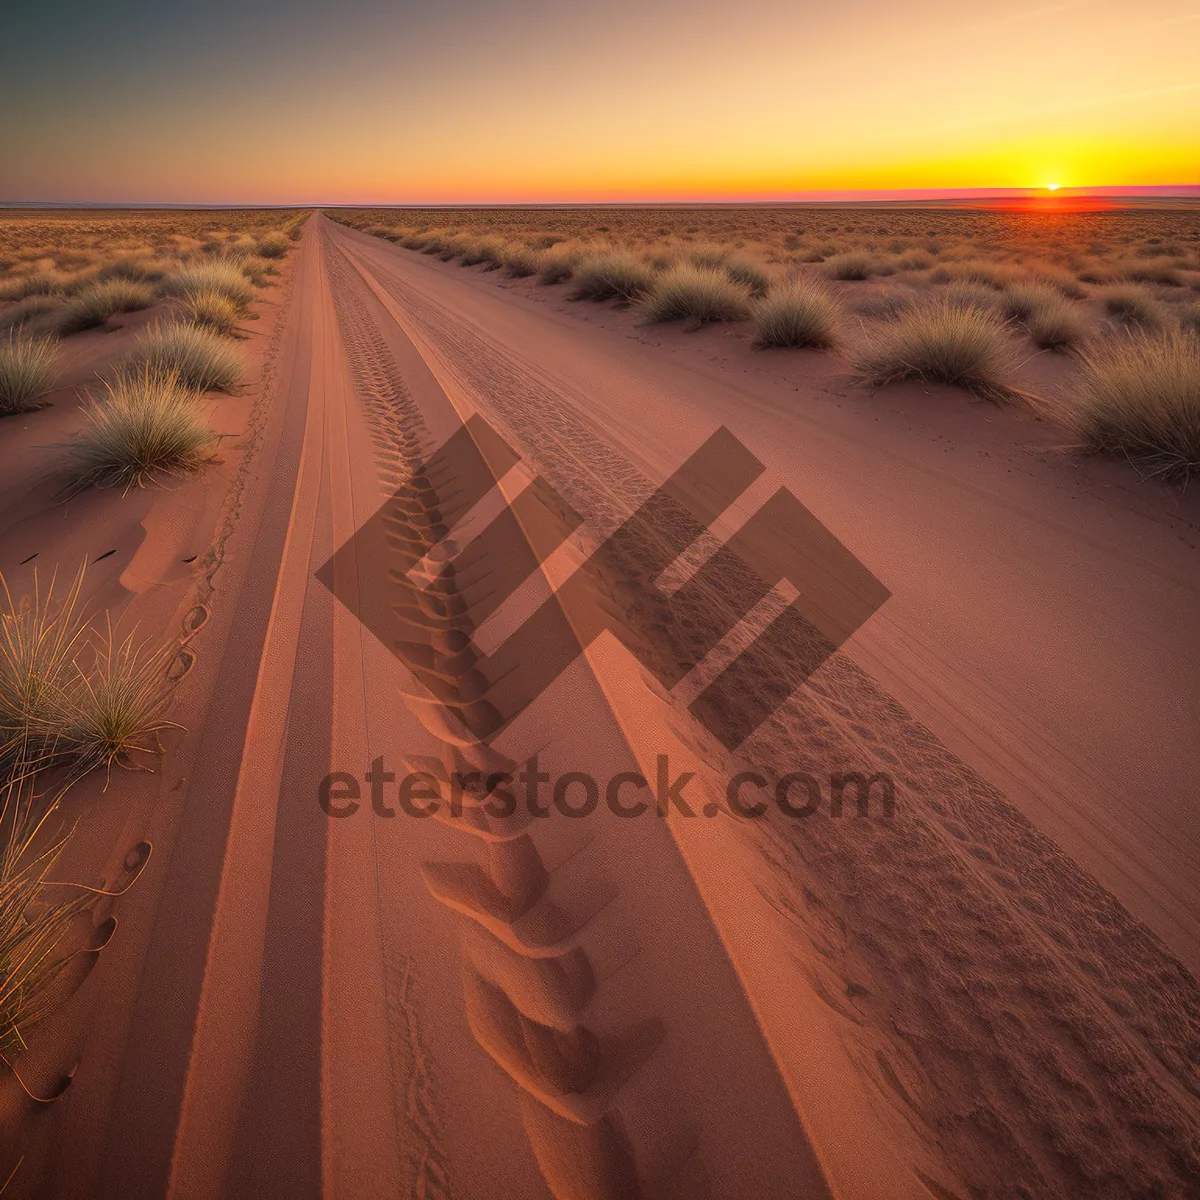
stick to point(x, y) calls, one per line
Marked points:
point(992, 993)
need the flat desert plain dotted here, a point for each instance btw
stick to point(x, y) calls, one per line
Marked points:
point(891, 511)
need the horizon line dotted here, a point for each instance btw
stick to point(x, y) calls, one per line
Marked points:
point(1183, 191)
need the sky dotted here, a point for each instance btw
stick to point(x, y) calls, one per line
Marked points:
point(400, 102)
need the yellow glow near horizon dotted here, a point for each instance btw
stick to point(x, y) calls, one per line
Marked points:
point(529, 100)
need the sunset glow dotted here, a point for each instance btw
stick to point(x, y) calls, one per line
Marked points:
point(524, 100)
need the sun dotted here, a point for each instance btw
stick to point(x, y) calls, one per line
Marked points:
point(1052, 187)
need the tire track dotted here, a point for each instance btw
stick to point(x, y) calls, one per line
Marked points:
point(1109, 1022)
point(534, 987)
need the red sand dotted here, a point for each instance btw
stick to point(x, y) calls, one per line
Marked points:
point(979, 997)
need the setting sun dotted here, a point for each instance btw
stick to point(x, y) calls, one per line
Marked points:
point(810, 815)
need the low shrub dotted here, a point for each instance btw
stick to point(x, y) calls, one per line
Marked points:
point(195, 357)
point(697, 295)
point(612, 276)
point(1139, 396)
point(936, 341)
point(802, 314)
point(149, 425)
point(26, 372)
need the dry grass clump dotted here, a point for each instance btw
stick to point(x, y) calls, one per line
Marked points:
point(116, 705)
point(914, 260)
point(217, 275)
point(26, 372)
point(1050, 319)
point(711, 256)
point(697, 295)
point(749, 275)
point(195, 357)
point(1059, 279)
point(95, 304)
point(1139, 396)
point(488, 251)
point(69, 694)
point(852, 265)
point(802, 314)
point(970, 295)
point(937, 342)
point(275, 244)
point(612, 276)
point(258, 270)
point(1133, 306)
point(38, 312)
point(35, 283)
point(1158, 270)
point(211, 310)
point(151, 270)
point(148, 426)
point(885, 305)
point(520, 261)
point(557, 266)
point(1020, 301)
point(991, 275)
point(36, 915)
point(1056, 324)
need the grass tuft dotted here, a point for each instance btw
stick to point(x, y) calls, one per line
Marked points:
point(520, 261)
point(26, 372)
point(1056, 325)
point(258, 270)
point(557, 267)
point(211, 310)
point(612, 276)
point(852, 265)
point(69, 694)
point(935, 341)
point(697, 295)
point(748, 275)
point(112, 710)
point(1139, 396)
point(488, 250)
point(97, 302)
point(275, 244)
point(34, 313)
point(804, 313)
point(1133, 306)
point(36, 916)
point(197, 358)
point(1050, 319)
point(213, 275)
point(148, 426)
point(69, 698)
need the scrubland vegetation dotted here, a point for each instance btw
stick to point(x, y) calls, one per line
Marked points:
point(1139, 396)
point(937, 341)
point(145, 424)
point(26, 372)
point(961, 297)
point(74, 697)
point(196, 273)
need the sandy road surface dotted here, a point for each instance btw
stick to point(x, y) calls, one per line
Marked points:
point(1041, 620)
point(389, 1006)
point(302, 1025)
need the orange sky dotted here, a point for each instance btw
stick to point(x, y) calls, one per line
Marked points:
point(379, 101)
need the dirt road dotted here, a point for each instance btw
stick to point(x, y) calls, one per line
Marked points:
point(675, 1008)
